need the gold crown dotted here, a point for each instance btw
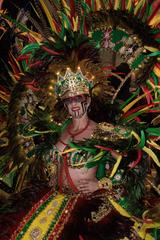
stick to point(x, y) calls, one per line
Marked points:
point(72, 84)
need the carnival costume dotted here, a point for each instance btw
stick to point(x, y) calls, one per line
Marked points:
point(63, 56)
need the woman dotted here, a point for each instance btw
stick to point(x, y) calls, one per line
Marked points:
point(78, 206)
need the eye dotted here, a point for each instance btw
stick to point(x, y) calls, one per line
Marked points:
point(67, 101)
point(78, 98)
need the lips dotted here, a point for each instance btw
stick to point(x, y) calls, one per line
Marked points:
point(75, 109)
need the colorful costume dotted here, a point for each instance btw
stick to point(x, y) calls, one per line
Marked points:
point(68, 214)
point(87, 42)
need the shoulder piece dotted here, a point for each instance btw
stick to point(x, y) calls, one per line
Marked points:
point(113, 136)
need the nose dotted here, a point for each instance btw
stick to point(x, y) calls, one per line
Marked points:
point(73, 102)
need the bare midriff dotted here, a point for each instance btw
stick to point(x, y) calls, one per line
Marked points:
point(78, 174)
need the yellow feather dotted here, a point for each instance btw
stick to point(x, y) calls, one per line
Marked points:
point(15, 60)
point(154, 21)
point(142, 232)
point(151, 49)
point(75, 24)
point(139, 5)
point(116, 4)
point(66, 7)
point(69, 150)
point(136, 136)
point(152, 155)
point(129, 5)
point(120, 209)
point(4, 96)
point(153, 144)
point(147, 150)
point(156, 70)
point(48, 15)
point(5, 140)
point(151, 84)
point(98, 5)
point(126, 108)
point(116, 165)
point(2, 133)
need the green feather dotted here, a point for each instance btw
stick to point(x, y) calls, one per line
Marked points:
point(142, 142)
point(138, 61)
point(153, 131)
point(130, 98)
point(85, 7)
point(117, 35)
point(30, 48)
point(118, 46)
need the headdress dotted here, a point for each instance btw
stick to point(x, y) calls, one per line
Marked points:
point(72, 84)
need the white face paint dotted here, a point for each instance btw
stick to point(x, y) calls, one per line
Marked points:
point(77, 106)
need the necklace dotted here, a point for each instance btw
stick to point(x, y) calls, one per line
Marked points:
point(79, 132)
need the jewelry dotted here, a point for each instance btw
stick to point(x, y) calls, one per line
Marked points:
point(105, 183)
point(79, 132)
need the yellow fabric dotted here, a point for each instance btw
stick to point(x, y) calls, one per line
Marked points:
point(42, 222)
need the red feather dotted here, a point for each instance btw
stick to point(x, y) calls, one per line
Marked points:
point(156, 7)
point(139, 157)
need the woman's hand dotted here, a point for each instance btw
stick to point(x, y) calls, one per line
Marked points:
point(87, 186)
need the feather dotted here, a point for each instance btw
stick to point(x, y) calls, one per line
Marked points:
point(131, 104)
point(98, 5)
point(48, 15)
point(155, 10)
point(156, 69)
point(129, 5)
point(139, 6)
point(4, 96)
point(153, 144)
point(66, 8)
point(53, 11)
point(118, 207)
point(117, 4)
point(155, 21)
point(36, 25)
point(152, 155)
point(116, 165)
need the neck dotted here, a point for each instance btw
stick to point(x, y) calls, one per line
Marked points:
point(79, 123)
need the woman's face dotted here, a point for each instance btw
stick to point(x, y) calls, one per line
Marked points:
point(77, 106)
